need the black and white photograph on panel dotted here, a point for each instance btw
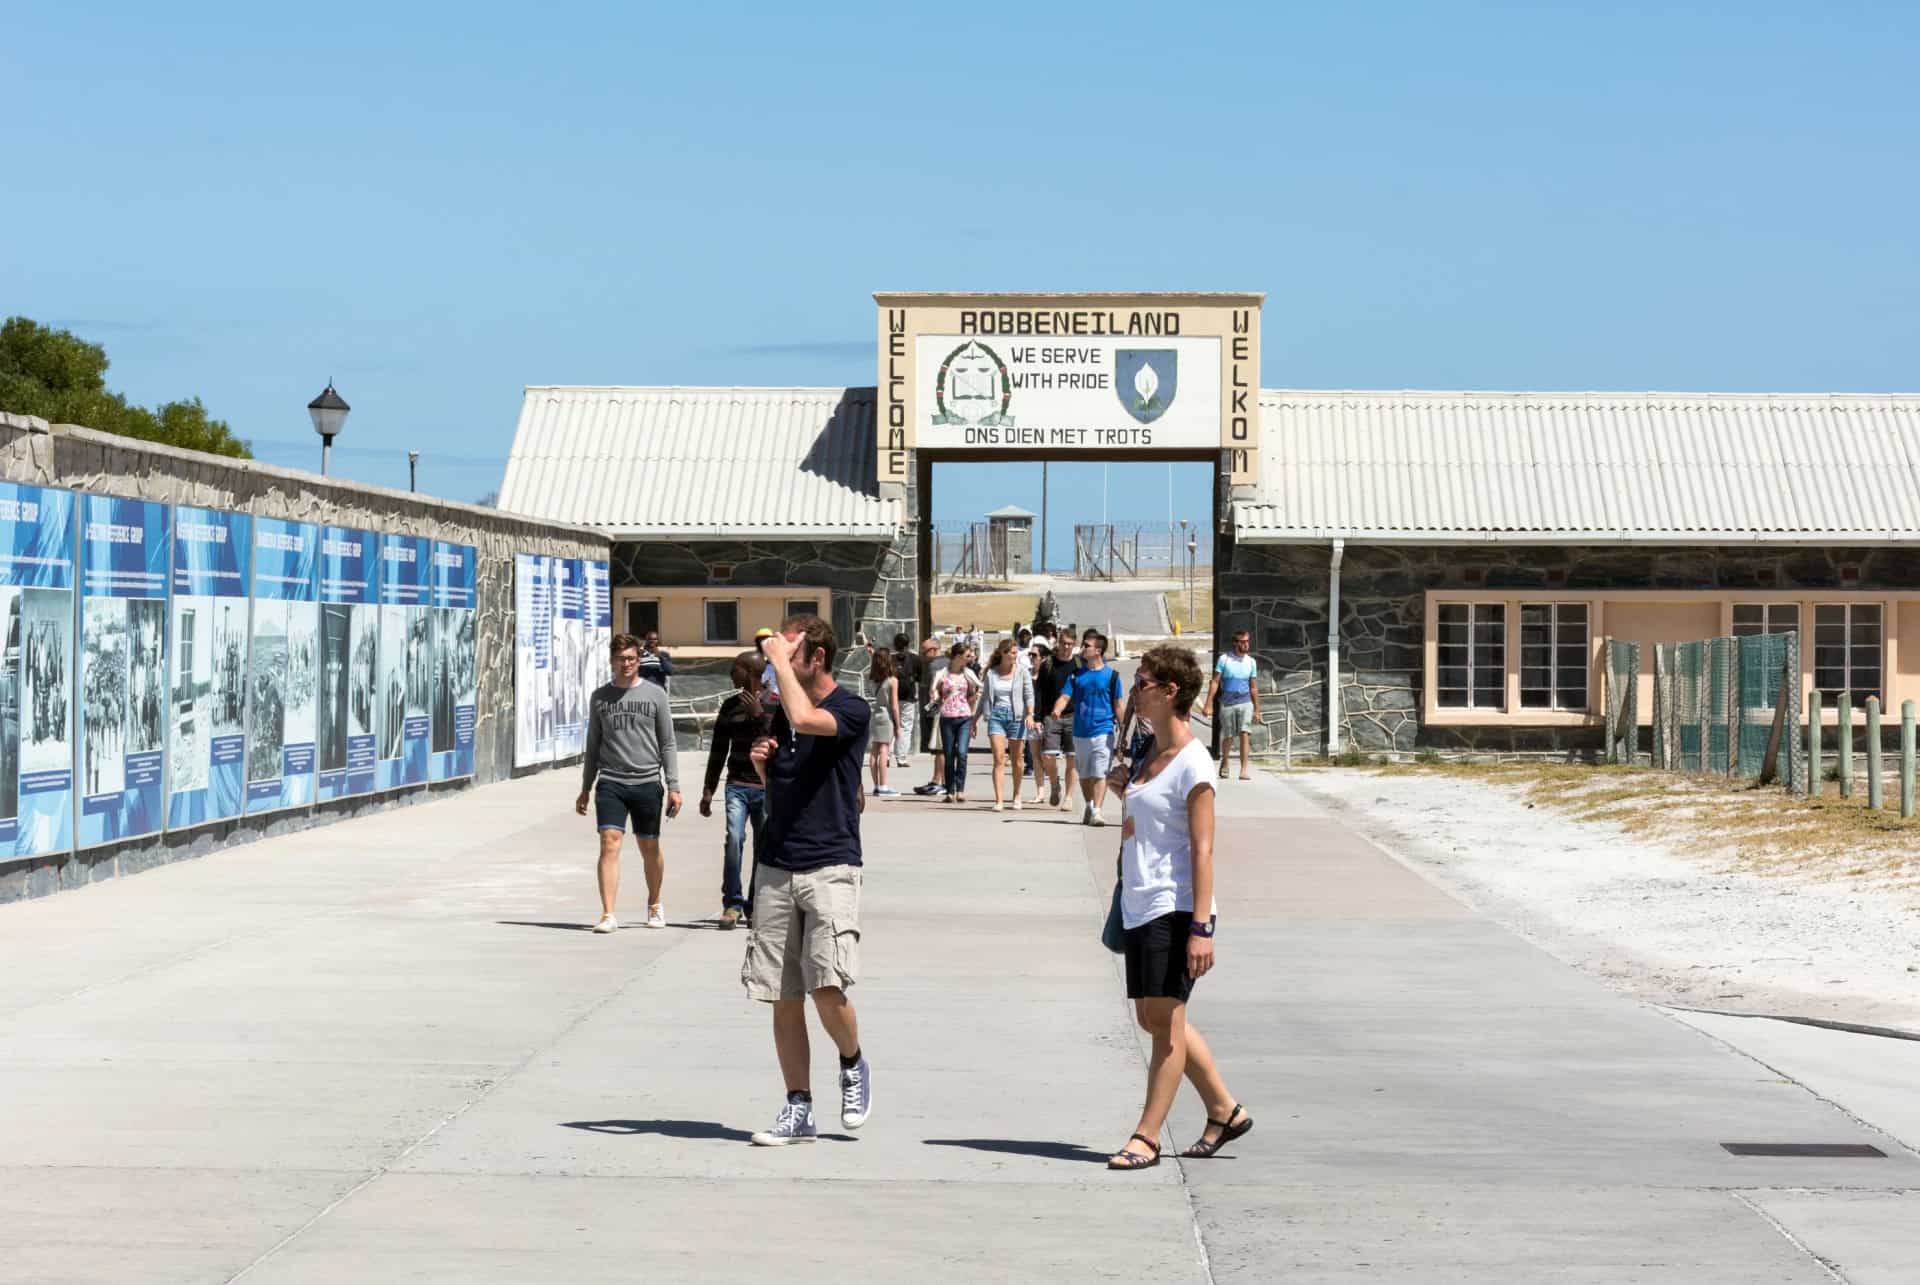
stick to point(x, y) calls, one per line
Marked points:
point(303, 671)
point(10, 701)
point(229, 666)
point(103, 636)
point(193, 692)
point(392, 679)
point(363, 673)
point(419, 661)
point(442, 681)
point(146, 675)
point(466, 660)
point(46, 701)
point(267, 730)
point(336, 643)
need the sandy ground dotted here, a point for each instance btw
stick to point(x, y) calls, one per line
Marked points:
point(1676, 926)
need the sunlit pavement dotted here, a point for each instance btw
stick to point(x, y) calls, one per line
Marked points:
point(389, 1050)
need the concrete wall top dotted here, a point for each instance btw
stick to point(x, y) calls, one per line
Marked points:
point(68, 455)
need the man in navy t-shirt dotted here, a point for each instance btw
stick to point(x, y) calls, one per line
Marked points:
point(806, 899)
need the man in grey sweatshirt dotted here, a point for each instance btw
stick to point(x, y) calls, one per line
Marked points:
point(630, 751)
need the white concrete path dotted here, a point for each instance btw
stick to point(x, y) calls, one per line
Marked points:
point(388, 1050)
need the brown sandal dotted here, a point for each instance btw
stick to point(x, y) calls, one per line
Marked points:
point(1124, 1159)
point(1204, 1150)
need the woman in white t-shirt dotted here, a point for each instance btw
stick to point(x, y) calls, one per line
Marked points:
point(1166, 872)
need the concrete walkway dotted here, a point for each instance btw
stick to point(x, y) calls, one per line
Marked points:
point(388, 1051)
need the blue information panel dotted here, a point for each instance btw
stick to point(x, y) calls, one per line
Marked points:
point(406, 653)
point(124, 573)
point(36, 687)
point(532, 659)
point(571, 663)
point(455, 693)
point(212, 576)
point(599, 610)
point(283, 696)
point(349, 647)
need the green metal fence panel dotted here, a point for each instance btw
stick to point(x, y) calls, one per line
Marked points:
point(1622, 696)
point(1762, 665)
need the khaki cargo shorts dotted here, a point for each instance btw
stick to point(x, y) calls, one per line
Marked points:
point(806, 932)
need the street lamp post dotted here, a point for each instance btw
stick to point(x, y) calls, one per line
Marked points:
point(1192, 544)
point(1184, 576)
point(413, 460)
point(329, 412)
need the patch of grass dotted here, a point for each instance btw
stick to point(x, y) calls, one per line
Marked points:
point(1201, 618)
point(1003, 611)
point(1748, 828)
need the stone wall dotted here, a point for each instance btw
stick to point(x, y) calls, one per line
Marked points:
point(874, 587)
point(33, 452)
point(1279, 593)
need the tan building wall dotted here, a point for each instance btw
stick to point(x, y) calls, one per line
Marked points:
point(1653, 616)
point(683, 612)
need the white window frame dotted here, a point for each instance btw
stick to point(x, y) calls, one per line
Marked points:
point(1771, 618)
point(1555, 666)
point(1848, 646)
point(706, 621)
point(1472, 645)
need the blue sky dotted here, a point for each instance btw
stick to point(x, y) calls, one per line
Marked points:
point(436, 204)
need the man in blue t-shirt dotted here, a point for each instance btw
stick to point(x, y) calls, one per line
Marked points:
point(1093, 693)
point(806, 898)
point(1236, 693)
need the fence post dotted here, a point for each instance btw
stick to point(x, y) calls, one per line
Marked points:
point(1876, 792)
point(1815, 783)
point(1843, 743)
point(1906, 760)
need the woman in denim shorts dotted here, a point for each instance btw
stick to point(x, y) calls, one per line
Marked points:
point(1008, 701)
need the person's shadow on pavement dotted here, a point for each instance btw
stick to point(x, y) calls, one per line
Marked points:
point(698, 1130)
point(1021, 1147)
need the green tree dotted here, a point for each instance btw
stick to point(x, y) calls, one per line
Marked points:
point(62, 378)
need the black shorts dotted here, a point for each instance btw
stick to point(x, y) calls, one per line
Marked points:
point(1157, 958)
point(615, 801)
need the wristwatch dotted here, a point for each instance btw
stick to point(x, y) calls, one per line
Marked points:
point(1199, 929)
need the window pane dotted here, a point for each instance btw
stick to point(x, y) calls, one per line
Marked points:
point(1573, 613)
point(723, 622)
point(803, 607)
point(642, 616)
point(1748, 613)
point(1453, 676)
point(1490, 697)
point(1783, 616)
point(1866, 613)
point(1829, 613)
point(1573, 700)
point(1453, 613)
point(1452, 698)
point(1536, 698)
point(1452, 658)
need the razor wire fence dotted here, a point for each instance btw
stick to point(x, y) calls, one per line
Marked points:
point(1726, 706)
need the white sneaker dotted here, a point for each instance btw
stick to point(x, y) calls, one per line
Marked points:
point(607, 924)
point(657, 917)
point(1016, 805)
point(1000, 808)
point(794, 1125)
point(1086, 818)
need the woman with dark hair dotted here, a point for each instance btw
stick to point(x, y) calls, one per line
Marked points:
point(743, 719)
point(886, 719)
point(1007, 697)
point(1167, 907)
point(956, 694)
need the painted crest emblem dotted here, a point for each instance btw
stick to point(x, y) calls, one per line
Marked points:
point(1145, 380)
point(972, 388)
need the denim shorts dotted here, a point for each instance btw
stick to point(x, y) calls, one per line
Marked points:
point(1014, 729)
point(615, 801)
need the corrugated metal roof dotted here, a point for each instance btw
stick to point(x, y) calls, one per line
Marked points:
point(716, 462)
point(1637, 467)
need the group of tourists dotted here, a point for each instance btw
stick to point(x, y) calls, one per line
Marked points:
point(789, 746)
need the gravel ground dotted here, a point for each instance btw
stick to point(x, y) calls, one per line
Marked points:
point(1677, 928)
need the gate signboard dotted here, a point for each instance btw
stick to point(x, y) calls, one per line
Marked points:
point(1095, 374)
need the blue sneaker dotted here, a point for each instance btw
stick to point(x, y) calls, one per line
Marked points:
point(856, 1093)
point(794, 1125)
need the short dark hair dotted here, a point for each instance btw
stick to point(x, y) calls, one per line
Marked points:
point(746, 670)
point(620, 643)
point(1177, 666)
point(1097, 638)
point(1241, 633)
point(816, 635)
point(901, 642)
